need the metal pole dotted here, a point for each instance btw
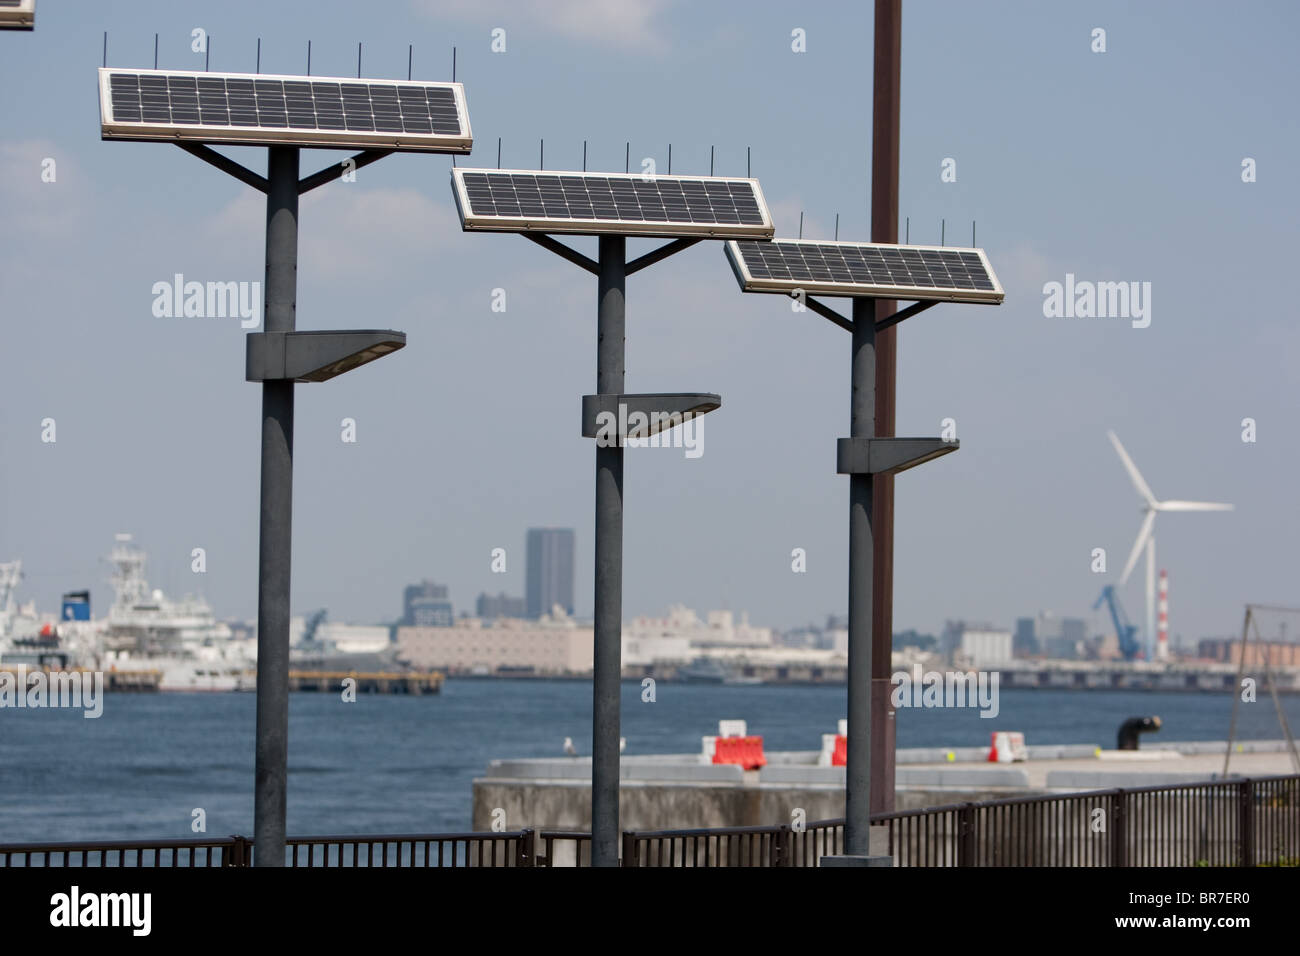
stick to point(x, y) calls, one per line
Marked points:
point(607, 669)
point(884, 228)
point(858, 768)
point(276, 519)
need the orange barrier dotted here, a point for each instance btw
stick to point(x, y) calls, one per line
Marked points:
point(840, 756)
point(746, 751)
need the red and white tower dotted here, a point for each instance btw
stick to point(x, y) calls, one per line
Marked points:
point(1162, 626)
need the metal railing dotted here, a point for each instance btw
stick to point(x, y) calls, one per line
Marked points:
point(220, 851)
point(1238, 822)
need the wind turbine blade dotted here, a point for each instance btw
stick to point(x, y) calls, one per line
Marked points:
point(1143, 533)
point(1136, 476)
point(1191, 506)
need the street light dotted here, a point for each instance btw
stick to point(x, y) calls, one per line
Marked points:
point(864, 273)
point(613, 206)
point(284, 114)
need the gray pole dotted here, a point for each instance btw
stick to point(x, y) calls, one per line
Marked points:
point(607, 668)
point(857, 803)
point(276, 520)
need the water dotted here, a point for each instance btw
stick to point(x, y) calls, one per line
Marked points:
point(391, 764)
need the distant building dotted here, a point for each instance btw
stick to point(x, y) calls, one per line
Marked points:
point(489, 608)
point(1261, 654)
point(1074, 629)
point(1057, 637)
point(982, 647)
point(546, 646)
point(718, 629)
point(426, 605)
point(549, 571)
point(1064, 648)
point(1025, 642)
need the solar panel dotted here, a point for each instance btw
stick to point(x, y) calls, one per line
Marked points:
point(262, 109)
point(628, 204)
point(17, 14)
point(877, 270)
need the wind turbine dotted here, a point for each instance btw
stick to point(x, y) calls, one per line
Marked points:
point(1151, 507)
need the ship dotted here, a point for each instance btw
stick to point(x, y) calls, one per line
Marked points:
point(703, 670)
point(146, 630)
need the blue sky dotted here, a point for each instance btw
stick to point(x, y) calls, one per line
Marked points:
point(1123, 165)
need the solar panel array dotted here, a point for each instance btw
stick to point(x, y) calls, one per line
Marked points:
point(865, 269)
point(627, 204)
point(256, 109)
point(17, 14)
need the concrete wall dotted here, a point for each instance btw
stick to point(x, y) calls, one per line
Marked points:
point(656, 805)
point(566, 805)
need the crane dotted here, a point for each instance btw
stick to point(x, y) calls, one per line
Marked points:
point(1124, 631)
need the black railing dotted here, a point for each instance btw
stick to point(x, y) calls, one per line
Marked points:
point(1238, 822)
point(221, 851)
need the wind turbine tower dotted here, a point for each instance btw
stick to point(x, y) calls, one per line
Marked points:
point(1146, 538)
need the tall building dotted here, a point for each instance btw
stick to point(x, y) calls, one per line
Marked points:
point(490, 607)
point(426, 605)
point(550, 570)
point(1025, 642)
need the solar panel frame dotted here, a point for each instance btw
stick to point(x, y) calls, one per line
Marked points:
point(17, 14)
point(826, 287)
point(477, 222)
point(253, 134)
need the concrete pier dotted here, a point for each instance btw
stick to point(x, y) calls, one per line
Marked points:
point(665, 791)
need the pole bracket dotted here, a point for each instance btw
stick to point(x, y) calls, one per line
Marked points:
point(657, 411)
point(315, 356)
point(887, 456)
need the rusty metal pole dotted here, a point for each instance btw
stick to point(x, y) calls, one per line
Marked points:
point(884, 228)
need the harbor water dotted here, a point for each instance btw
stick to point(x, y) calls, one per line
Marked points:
point(390, 764)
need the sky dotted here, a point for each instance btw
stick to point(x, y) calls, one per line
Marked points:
point(1122, 165)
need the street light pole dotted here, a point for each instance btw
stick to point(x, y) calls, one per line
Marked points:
point(607, 665)
point(276, 538)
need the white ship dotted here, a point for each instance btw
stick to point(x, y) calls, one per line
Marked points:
point(145, 630)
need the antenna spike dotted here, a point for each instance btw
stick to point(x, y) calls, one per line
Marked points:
point(541, 154)
point(207, 53)
point(907, 236)
point(627, 158)
point(584, 155)
point(105, 48)
point(837, 227)
point(309, 58)
point(358, 61)
point(410, 56)
point(800, 223)
point(258, 69)
point(670, 159)
point(453, 64)
point(155, 51)
point(498, 152)
point(942, 226)
point(748, 173)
